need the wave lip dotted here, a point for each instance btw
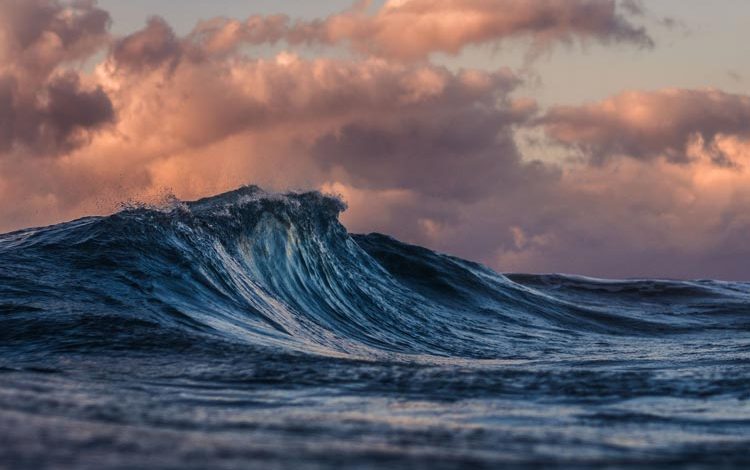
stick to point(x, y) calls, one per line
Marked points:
point(280, 271)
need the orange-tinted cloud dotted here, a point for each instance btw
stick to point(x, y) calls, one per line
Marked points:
point(649, 125)
point(42, 106)
point(201, 121)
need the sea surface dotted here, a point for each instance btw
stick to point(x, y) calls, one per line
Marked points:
point(250, 330)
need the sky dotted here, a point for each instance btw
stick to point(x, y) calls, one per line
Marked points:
point(608, 138)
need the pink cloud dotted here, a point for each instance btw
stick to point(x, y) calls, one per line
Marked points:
point(38, 35)
point(45, 107)
point(649, 125)
point(180, 117)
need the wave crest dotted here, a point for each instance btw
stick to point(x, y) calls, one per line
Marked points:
point(279, 270)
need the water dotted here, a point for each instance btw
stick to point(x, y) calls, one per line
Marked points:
point(250, 330)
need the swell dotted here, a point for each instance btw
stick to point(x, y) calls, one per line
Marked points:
point(279, 271)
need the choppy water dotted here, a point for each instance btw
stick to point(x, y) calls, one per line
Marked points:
point(250, 330)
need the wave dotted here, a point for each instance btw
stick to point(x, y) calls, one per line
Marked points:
point(279, 271)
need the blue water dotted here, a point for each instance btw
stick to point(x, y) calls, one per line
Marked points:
point(250, 330)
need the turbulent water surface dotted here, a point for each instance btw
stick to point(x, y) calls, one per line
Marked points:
point(250, 330)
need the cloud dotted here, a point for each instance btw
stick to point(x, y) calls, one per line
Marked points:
point(204, 99)
point(639, 218)
point(52, 119)
point(150, 47)
point(45, 108)
point(414, 29)
point(201, 120)
point(38, 35)
point(223, 35)
point(447, 125)
point(649, 125)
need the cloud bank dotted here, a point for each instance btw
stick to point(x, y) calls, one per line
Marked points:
point(655, 183)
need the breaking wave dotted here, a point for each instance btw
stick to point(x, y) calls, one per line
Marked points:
point(279, 271)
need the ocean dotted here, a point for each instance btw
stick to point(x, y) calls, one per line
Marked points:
point(251, 330)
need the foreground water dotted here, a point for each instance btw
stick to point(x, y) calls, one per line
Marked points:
point(251, 330)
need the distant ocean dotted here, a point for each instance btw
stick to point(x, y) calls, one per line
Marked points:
point(250, 330)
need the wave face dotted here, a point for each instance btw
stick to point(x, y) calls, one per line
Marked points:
point(260, 311)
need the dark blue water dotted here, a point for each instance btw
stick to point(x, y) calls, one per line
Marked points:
point(250, 330)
